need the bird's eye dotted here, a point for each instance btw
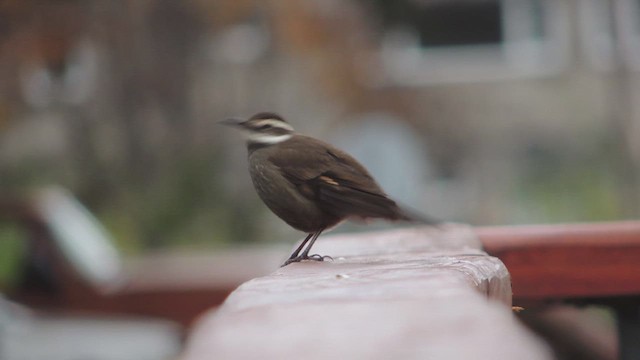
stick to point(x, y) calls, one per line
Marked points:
point(265, 127)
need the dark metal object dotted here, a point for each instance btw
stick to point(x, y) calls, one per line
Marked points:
point(628, 322)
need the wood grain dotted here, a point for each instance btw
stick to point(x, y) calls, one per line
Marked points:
point(418, 293)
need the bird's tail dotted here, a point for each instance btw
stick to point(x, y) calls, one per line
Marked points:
point(350, 201)
point(407, 214)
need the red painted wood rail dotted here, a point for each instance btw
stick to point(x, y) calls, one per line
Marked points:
point(597, 263)
point(552, 262)
point(418, 293)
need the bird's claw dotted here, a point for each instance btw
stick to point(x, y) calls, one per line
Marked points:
point(318, 257)
point(314, 257)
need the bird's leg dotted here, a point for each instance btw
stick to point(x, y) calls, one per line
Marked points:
point(304, 242)
point(305, 254)
point(294, 256)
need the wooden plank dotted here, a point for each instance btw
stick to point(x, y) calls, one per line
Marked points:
point(549, 262)
point(417, 293)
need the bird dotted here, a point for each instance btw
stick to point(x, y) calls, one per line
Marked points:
point(309, 184)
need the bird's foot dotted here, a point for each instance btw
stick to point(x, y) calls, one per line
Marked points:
point(314, 257)
point(317, 257)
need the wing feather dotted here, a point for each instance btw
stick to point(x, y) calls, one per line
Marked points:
point(335, 180)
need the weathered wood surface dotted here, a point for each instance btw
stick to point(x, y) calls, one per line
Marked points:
point(551, 262)
point(417, 293)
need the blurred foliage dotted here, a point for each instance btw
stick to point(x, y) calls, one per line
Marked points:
point(189, 206)
point(12, 253)
point(560, 186)
point(107, 106)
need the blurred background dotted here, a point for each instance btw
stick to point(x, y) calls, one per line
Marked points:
point(485, 111)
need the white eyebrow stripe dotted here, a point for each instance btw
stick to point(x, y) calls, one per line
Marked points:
point(274, 123)
point(268, 139)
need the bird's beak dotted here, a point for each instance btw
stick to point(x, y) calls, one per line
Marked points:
point(231, 122)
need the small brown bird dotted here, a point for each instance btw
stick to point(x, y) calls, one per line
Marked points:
point(310, 184)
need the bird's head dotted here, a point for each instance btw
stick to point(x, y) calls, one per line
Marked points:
point(262, 128)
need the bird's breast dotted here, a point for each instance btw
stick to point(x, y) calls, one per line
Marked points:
point(288, 201)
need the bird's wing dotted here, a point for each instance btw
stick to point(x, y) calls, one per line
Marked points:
point(335, 180)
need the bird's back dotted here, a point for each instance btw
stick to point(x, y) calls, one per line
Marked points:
point(331, 179)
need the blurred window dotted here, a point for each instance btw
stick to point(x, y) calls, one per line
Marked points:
point(627, 14)
point(610, 33)
point(432, 41)
point(596, 25)
point(458, 24)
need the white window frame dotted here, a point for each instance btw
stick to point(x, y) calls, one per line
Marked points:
point(405, 62)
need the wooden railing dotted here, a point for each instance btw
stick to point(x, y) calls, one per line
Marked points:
point(422, 293)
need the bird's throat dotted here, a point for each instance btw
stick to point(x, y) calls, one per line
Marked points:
point(266, 139)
